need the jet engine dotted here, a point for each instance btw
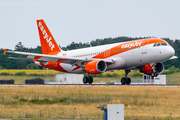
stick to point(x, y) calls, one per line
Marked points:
point(148, 69)
point(95, 67)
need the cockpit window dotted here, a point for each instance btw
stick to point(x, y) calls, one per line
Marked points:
point(154, 45)
point(158, 44)
point(164, 44)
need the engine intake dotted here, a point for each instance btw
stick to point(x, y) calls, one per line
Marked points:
point(159, 68)
point(95, 67)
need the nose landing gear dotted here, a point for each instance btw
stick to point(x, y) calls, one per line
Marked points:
point(126, 80)
point(155, 74)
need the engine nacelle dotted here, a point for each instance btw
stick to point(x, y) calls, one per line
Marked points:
point(148, 69)
point(159, 68)
point(95, 67)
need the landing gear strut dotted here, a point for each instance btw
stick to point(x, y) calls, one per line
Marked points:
point(126, 80)
point(88, 79)
point(155, 74)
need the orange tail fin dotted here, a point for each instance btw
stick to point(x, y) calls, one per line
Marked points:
point(48, 44)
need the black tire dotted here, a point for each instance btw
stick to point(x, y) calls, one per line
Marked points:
point(154, 74)
point(128, 81)
point(123, 81)
point(90, 80)
point(85, 80)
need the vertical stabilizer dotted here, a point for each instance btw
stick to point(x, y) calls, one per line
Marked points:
point(48, 44)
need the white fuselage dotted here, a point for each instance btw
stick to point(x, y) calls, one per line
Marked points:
point(127, 59)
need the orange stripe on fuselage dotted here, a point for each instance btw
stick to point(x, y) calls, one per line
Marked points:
point(55, 65)
point(126, 46)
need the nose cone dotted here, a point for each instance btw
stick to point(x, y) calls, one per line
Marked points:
point(170, 52)
point(173, 51)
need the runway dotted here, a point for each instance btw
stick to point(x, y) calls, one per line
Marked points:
point(115, 85)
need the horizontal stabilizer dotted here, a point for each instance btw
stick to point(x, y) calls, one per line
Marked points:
point(5, 51)
point(173, 57)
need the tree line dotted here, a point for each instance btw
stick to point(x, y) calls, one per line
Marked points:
point(6, 63)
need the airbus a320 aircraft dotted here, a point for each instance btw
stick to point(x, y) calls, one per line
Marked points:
point(145, 54)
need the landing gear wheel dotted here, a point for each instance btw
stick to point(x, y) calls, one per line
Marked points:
point(90, 80)
point(128, 81)
point(155, 74)
point(85, 80)
point(123, 81)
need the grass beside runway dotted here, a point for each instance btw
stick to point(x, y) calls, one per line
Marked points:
point(21, 72)
point(83, 101)
point(20, 79)
point(173, 78)
point(19, 76)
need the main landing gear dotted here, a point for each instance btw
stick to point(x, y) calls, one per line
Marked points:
point(88, 79)
point(126, 80)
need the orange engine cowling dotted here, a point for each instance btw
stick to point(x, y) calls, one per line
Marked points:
point(95, 67)
point(147, 69)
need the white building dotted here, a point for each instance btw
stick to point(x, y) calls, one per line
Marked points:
point(160, 79)
point(69, 78)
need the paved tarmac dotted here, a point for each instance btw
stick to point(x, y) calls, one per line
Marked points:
point(95, 84)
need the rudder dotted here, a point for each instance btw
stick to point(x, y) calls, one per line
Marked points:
point(48, 43)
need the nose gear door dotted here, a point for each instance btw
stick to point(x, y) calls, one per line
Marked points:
point(144, 47)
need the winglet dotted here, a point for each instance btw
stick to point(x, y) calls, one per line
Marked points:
point(5, 51)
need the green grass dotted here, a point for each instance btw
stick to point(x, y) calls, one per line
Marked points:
point(173, 78)
point(154, 103)
point(62, 100)
point(20, 79)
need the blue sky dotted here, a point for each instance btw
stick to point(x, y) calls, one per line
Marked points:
point(86, 20)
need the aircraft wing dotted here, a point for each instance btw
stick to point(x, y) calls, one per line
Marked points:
point(43, 57)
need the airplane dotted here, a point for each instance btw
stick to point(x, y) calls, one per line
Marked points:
point(145, 54)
